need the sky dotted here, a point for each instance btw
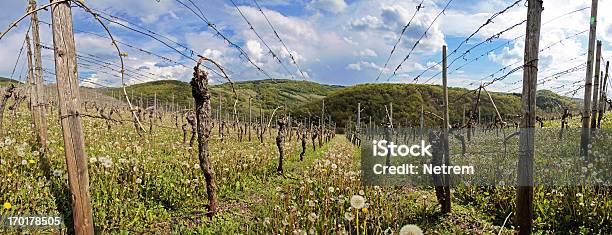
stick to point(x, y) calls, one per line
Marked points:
point(341, 42)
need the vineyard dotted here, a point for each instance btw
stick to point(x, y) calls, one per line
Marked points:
point(156, 132)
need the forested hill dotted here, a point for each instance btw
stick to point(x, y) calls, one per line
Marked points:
point(408, 99)
point(303, 98)
point(267, 94)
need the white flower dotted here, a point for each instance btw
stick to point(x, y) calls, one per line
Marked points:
point(8, 141)
point(24, 162)
point(35, 153)
point(57, 173)
point(312, 217)
point(196, 166)
point(357, 201)
point(349, 216)
point(138, 180)
point(330, 189)
point(93, 160)
point(334, 166)
point(410, 229)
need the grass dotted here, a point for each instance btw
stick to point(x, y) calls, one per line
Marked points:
point(153, 185)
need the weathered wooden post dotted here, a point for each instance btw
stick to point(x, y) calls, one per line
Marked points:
point(446, 206)
point(524, 195)
point(585, 136)
point(604, 97)
point(39, 94)
point(595, 105)
point(69, 111)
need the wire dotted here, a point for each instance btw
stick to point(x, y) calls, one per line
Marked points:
point(419, 40)
point(280, 40)
point(418, 8)
point(274, 56)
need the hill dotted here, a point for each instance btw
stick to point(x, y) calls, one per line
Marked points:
point(265, 93)
point(408, 98)
point(5, 81)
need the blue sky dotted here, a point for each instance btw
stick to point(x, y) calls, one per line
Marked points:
point(334, 41)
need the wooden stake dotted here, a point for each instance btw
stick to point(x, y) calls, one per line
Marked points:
point(69, 106)
point(588, 86)
point(604, 97)
point(595, 105)
point(446, 207)
point(524, 196)
point(39, 94)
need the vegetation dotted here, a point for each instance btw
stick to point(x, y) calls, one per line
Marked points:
point(408, 99)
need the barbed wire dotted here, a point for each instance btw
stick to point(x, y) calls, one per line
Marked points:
point(419, 40)
point(202, 17)
point(252, 28)
point(418, 8)
point(490, 39)
point(280, 40)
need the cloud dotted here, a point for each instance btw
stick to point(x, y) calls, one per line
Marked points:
point(332, 6)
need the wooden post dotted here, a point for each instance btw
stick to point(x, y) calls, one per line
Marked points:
point(588, 86)
point(604, 97)
point(446, 207)
point(358, 126)
point(524, 196)
point(250, 118)
point(39, 94)
point(31, 84)
point(69, 106)
point(595, 105)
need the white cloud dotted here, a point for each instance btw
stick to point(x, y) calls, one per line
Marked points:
point(333, 6)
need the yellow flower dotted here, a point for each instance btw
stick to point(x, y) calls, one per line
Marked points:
point(9, 174)
point(365, 210)
point(7, 206)
point(31, 161)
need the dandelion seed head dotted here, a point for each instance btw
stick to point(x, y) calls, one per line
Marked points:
point(410, 229)
point(357, 201)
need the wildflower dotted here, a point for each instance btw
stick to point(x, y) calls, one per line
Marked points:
point(364, 210)
point(334, 166)
point(267, 220)
point(349, 216)
point(312, 217)
point(138, 180)
point(31, 161)
point(330, 189)
point(357, 201)
point(7, 206)
point(311, 203)
point(196, 166)
point(8, 141)
point(410, 229)
point(35, 153)
point(57, 173)
point(361, 192)
point(24, 162)
point(93, 160)
point(578, 194)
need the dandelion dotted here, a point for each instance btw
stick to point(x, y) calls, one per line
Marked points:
point(31, 161)
point(361, 192)
point(196, 166)
point(312, 217)
point(357, 201)
point(410, 229)
point(349, 216)
point(7, 206)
